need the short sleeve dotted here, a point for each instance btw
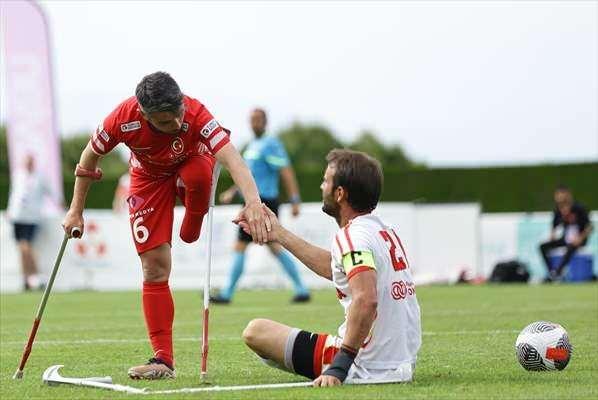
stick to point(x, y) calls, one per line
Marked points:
point(276, 156)
point(211, 133)
point(107, 135)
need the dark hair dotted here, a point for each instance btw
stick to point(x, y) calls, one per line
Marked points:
point(159, 92)
point(562, 188)
point(360, 175)
point(261, 110)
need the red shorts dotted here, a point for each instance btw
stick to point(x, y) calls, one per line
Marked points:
point(151, 200)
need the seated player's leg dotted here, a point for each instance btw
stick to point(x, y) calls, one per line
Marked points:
point(291, 349)
point(548, 246)
point(196, 175)
point(151, 204)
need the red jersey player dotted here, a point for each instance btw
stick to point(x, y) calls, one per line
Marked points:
point(174, 142)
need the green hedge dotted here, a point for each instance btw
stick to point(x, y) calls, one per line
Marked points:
point(503, 189)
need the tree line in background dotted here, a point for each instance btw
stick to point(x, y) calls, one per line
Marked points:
point(498, 189)
point(307, 145)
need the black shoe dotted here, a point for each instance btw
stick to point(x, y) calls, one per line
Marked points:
point(301, 298)
point(218, 299)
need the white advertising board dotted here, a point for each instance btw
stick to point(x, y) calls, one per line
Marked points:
point(440, 240)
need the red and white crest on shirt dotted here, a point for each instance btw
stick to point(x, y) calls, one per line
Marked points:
point(177, 146)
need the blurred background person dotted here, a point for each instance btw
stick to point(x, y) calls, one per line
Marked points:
point(25, 203)
point(571, 219)
point(268, 161)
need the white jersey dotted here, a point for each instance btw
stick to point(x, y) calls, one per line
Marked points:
point(27, 193)
point(395, 337)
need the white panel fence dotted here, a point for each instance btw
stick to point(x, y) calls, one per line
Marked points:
point(440, 240)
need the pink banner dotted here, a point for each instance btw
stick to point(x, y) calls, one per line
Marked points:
point(30, 112)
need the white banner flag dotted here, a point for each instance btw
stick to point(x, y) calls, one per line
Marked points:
point(31, 118)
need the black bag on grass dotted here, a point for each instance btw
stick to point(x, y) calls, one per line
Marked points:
point(509, 271)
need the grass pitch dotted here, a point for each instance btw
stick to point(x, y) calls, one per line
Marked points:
point(467, 352)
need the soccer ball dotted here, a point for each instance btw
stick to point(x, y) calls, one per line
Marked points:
point(543, 346)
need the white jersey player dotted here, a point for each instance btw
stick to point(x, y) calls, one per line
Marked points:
point(368, 264)
point(366, 242)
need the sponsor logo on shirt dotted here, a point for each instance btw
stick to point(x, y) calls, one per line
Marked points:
point(402, 289)
point(184, 126)
point(145, 211)
point(130, 126)
point(208, 128)
point(135, 202)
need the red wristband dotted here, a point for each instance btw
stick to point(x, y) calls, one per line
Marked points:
point(87, 173)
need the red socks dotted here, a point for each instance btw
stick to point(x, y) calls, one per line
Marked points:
point(158, 309)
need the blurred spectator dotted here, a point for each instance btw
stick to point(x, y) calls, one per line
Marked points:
point(121, 194)
point(571, 219)
point(268, 161)
point(24, 211)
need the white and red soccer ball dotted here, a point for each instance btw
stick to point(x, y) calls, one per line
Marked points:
point(543, 346)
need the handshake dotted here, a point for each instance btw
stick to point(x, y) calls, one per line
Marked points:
point(258, 218)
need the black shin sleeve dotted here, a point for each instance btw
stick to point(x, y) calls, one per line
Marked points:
point(303, 354)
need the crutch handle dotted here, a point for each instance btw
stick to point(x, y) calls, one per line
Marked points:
point(76, 232)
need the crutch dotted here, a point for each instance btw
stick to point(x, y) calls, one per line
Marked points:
point(75, 232)
point(206, 285)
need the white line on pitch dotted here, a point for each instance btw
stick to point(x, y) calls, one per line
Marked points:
point(223, 338)
point(114, 341)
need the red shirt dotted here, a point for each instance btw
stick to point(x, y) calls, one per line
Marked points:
point(154, 153)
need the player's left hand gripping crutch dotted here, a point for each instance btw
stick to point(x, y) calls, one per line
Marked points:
point(206, 285)
point(75, 232)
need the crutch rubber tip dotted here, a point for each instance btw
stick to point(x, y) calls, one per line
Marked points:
point(203, 377)
point(18, 374)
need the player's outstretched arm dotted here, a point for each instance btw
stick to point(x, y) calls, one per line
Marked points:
point(259, 224)
point(74, 216)
point(315, 258)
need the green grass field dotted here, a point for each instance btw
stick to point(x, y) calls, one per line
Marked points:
point(467, 352)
